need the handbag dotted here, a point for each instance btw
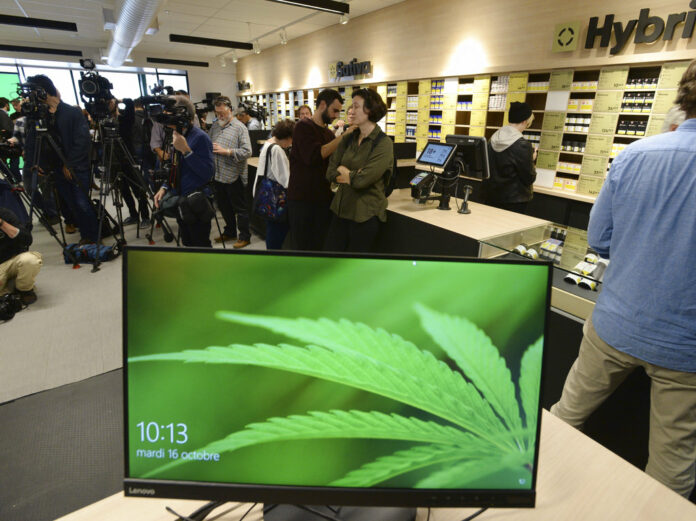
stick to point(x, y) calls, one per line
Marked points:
point(270, 200)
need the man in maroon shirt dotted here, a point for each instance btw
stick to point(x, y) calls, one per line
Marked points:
point(309, 193)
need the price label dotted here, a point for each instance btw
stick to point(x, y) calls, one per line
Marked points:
point(450, 102)
point(401, 103)
point(551, 141)
point(400, 128)
point(423, 116)
point(561, 80)
point(589, 185)
point(400, 138)
point(598, 145)
point(478, 118)
point(612, 78)
point(446, 131)
point(421, 143)
point(422, 131)
point(604, 124)
point(424, 102)
point(479, 101)
point(424, 87)
point(664, 100)
point(402, 88)
point(574, 248)
point(477, 131)
point(671, 74)
point(547, 160)
point(449, 117)
point(608, 101)
point(518, 82)
point(482, 84)
point(400, 116)
point(554, 121)
point(655, 125)
point(594, 166)
point(513, 96)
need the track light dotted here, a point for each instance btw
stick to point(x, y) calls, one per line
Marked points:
point(283, 37)
point(344, 19)
point(221, 61)
point(257, 49)
point(234, 57)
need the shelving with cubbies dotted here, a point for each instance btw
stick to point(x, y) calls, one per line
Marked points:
point(582, 118)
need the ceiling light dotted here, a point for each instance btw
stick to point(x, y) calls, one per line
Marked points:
point(257, 49)
point(328, 6)
point(39, 23)
point(343, 20)
point(234, 57)
point(182, 38)
point(129, 60)
point(283, 37)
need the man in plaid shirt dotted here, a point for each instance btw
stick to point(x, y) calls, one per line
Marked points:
point(231, 148)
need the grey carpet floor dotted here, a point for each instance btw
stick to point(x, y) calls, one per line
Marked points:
point(73, 331)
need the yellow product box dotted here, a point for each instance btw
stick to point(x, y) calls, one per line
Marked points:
point(559, 183)
point(570, 185)
point(572, 104)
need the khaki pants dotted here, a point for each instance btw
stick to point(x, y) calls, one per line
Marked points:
point(23, 268)
point(598, 371)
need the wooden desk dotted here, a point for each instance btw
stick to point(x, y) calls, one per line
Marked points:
point(578, 479)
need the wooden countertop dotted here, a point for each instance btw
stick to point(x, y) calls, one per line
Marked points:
point(482, 223)
point(577, 479)
point(400, 163)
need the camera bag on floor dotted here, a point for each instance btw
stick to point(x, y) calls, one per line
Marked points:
point(87, 253)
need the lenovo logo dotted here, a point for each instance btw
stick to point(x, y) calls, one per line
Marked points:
point(648, 29)
point(141, 491)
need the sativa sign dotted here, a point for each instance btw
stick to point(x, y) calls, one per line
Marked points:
point(644, 29)
point(354, 68)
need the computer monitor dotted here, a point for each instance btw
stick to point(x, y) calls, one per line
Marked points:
point(330, 379)
point(436, 155)
point(471, 156)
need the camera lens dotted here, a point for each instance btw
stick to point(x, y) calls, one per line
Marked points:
point(89, 88)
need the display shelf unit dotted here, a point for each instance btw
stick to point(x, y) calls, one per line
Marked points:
point(582, 117)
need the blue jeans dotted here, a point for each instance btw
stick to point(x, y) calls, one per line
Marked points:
point(275, 234)
point(74, 195)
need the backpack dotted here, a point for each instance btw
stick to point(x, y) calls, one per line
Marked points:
point(390, 177)
point(88, 253)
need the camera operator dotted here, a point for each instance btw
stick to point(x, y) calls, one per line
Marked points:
point(244, 117)
point(16, 262)
point(70, 131)
point(130, 188)
point(6, 125)
point(195, 170)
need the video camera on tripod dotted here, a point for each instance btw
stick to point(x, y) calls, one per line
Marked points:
point(163, 109)
point(9, 151)
point(95, 91)
point(34, 107)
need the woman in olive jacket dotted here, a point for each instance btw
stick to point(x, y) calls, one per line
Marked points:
point(360, 166)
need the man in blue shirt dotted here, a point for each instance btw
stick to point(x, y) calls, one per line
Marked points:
point(645, 221)
point(195, 172)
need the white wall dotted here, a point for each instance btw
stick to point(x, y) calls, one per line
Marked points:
point(222, 80)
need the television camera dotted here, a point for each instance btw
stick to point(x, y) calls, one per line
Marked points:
point(255, 110)
point(34, 107)
point(10, 151)
point(161, 107)
point(95, 91)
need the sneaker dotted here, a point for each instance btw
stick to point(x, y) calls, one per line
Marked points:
point(27, 297)
point(241, 244)
point(224, 237)
point(145, 223)
point(130, 220)
point(70, 228)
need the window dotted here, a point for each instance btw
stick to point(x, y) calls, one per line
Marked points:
point(61, 78)
point(126, 85)
point(177, 82)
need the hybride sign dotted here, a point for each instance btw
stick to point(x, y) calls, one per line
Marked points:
point(644, 29)
point(353, 70)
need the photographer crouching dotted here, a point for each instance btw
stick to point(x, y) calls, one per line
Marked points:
point(69, 130)
point(186, 192)
point(16, 262)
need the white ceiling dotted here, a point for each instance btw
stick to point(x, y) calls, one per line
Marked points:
point(239, 20)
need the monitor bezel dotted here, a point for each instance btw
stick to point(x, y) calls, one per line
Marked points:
point(437, 165)
point(296, 494)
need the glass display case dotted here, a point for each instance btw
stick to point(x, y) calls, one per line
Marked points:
point(578, 268)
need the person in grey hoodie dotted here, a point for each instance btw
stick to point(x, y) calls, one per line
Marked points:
point(511, 159)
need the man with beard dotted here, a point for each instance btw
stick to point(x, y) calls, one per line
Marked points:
point(309, 193)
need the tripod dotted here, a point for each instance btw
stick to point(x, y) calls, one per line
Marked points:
point(114, 147)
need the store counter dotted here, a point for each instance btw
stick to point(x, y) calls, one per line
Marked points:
point(577, 479)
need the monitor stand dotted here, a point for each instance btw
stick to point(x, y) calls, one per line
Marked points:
point(296, 513)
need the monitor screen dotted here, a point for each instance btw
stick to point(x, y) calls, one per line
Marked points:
point(471, 155)
point(327, 379)
point(436, 154)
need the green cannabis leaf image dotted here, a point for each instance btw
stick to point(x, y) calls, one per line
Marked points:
point(475, 425)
